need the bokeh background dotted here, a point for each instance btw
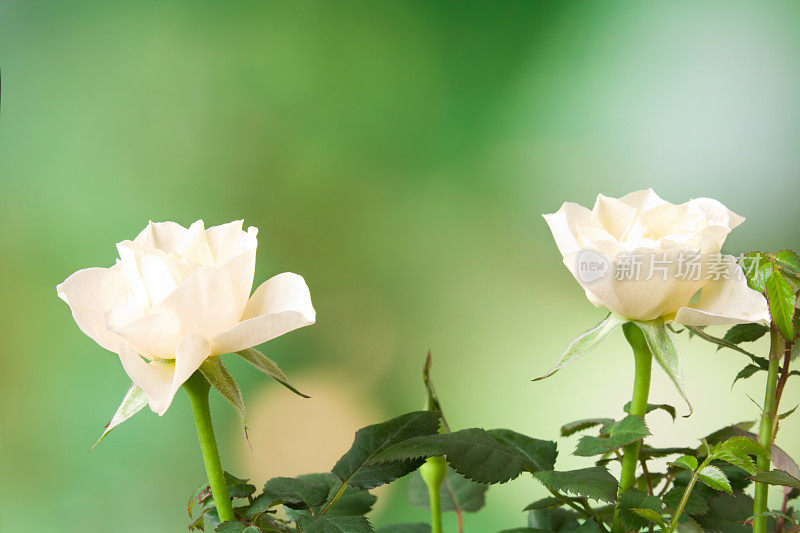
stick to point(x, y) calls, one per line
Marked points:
point(399, 155)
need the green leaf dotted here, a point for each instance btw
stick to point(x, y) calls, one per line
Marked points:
point(774, 514)
point(714, 478)
point(665, 353)
point(781, 300)
point(687, 462)
point(586, 343)
point(696, 504)
point(544, 503)
point(351, 502)
point(335, 524)
point(552, 520)
point(238, 488)
point(133, 402)
point(418, 527)
point(650, 515)
point(628, 430)
point(757, 267)
point(632, 503)
point(457, 492)
point(745, 373)
point(727, 514)
point(594, 482)
point(777, 477)
point(589, 527)
point(737, 451)
point(745, 333)
point(788, 413)
point(760, 361)
point(356, 468)
point(218, 376)
point(296, 493)
point(539, 454)
point(648, 452)
point(470, 452)
point(269, 367)
point(788, 259)
point(433, 399)
point(231, 526)
point(586, 423)
point(653, 407)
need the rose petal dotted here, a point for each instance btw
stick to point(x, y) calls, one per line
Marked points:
point(727, 300)
point(562, 225)
point(616, 216)
point(195, 247)
point(160, 379)
point(208, 302)
point(91, 294)
point(716, 213)
point(650, 286)
point(192, 350)
point(243, 267)
point(154, 378)
point(643, 200)
point(281, 304)
point(166, 236)
point(153, 334)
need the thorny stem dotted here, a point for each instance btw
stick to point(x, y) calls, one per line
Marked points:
point(641, 389)
point(584, 509)
point(197, 388)
point(766, 430)
point(685, 498)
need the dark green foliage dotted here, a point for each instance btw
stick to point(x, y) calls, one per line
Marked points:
point(544, 503)
point(580, 425)
point(538, 454)
point(616, 435)
point(473, 453)
point(457, 492)
point(595, 483)
point(726, 514)
point(671, 411)
point(405, 528)
point(745, 333)
point(335, 524)
point(357, 467)
point(633, 499)
point(746, 372)
point(296, 493)
point(777, 477)
point(556, 520)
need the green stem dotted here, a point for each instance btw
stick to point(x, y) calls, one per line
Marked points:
point(433, 473)
point(197, 388)
point(765, 434)
point(685, 498)
point(641, 390)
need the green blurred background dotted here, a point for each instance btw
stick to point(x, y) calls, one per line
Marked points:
point(399, 155)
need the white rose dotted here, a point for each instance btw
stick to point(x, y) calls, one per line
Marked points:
point(177, 296)
point(664, 240)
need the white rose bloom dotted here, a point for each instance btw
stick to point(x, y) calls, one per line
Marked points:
point(177, 296)
point(657, 256)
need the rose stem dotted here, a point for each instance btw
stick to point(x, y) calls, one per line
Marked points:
point(765, 434)
point(641, 389)
point(197, 388)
